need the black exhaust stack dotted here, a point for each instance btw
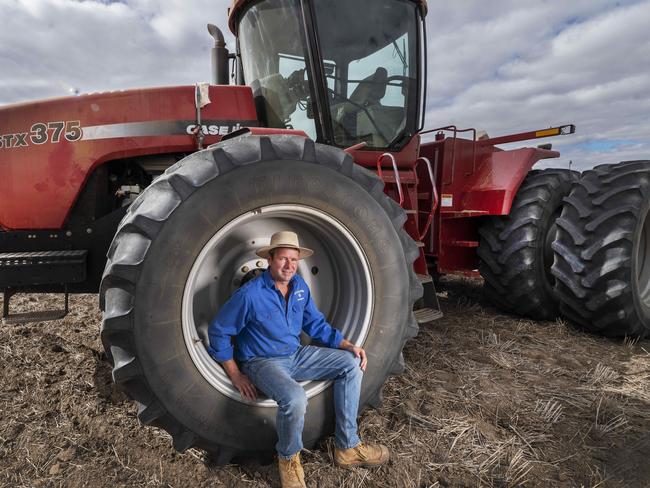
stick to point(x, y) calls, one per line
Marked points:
point(220, 57)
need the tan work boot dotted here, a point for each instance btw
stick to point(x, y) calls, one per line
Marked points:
point(291, 473)
point(361, 455)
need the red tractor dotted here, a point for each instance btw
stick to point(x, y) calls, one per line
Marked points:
point(162, 195)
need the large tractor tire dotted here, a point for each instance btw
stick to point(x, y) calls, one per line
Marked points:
point(189, 241)
point(515, 249)
point(602, 251)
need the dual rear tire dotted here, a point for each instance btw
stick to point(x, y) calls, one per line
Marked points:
point(515, 249)
point(602, 251)
point(575, 246)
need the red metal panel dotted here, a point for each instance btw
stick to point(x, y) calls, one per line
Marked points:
point(405, 158)
point(493, 186)
point(478, 178)
point(457, 246)
point(474, 180)
point(42, 171)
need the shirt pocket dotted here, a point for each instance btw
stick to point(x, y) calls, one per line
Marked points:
point(267, 313)
point(270, 319)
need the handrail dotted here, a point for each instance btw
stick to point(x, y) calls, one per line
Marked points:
point(198, 131)
point(436, 200)
point(397, 178)
point(455, 130)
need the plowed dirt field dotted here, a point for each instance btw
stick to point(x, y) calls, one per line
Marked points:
point(486, 400)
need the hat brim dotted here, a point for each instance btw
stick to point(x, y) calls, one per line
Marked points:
point(264, 252)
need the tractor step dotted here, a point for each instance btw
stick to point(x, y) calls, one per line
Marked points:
point(425, 278)
point(430, 305)
point(24, 269)
point(27, 317)
point(424, 315)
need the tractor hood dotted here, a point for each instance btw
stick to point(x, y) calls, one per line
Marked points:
point(48, 148)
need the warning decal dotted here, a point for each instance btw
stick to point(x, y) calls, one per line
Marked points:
point(446, 200)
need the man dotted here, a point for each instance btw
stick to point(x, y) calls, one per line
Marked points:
point(266, 316)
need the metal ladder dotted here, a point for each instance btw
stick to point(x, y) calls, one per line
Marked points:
point(430, 309)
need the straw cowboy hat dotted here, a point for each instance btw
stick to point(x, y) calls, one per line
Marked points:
point(284, 238)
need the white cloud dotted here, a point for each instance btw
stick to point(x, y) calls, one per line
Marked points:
point(540, 65)
point(504, 66)
point(53, 46)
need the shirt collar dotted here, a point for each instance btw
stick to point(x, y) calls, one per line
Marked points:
point(268, 281)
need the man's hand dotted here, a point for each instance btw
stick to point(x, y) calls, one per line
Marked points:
point(239, 380)
point(356, 350)
point(245, 386)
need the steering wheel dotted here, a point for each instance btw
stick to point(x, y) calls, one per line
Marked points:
point(298, 86)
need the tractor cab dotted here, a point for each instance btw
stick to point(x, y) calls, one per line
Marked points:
point(342, 72)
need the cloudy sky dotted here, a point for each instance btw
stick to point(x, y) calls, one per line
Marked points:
point(503, 66)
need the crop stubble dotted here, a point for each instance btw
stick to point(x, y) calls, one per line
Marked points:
point(486, 400)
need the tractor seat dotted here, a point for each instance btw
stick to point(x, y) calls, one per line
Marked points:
point(371, 89)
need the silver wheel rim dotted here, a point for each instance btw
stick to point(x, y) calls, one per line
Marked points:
point(643, 262)
point(338, 275)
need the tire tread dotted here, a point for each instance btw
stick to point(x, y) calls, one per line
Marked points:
point(140, 226)
point(509, 244)
point(594, 274)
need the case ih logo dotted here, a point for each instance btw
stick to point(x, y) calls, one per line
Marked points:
point(71, 131)
point(213, 129)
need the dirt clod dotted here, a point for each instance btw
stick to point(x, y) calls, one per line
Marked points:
point(67, 455)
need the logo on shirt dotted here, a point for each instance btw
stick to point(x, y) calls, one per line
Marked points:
point(299, 295)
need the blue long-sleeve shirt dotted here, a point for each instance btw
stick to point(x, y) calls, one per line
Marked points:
point(257, 318)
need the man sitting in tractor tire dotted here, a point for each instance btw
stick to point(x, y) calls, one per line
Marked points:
point(272, 359)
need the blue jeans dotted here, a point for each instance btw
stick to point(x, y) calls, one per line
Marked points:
point(278, 378)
